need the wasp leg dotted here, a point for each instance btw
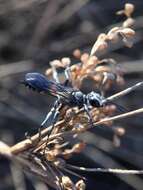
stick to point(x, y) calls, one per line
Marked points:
point(67, 75)
point(54, 120)
point(55, 74)
point(88, 114)
point(52, 111)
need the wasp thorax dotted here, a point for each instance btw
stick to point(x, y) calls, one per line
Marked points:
point(95, 99)
point(77, 98)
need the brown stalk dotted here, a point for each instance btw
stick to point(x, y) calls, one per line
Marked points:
point(28, 143)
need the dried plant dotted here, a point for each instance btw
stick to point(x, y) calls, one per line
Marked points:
point(46, 155)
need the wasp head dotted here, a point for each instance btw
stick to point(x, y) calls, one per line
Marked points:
point(95, 99)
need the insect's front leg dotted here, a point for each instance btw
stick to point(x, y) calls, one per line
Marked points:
point(67, 75)
point(55, 74)
point(86, 109)
point(56, 112)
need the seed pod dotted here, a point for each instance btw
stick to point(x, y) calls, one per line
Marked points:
point(77, 53)
point(129, 9)
point(100, 44)
point(113, 34)
point(65, 61)
point(92, 60)
point(84, 57)
point(48, 72)
point(56, 63)
point(128, 23)
point(50, 156)
point(128, 32)
point(67, 183)
point(80, 185)
point(119, 131)
point(77, 148)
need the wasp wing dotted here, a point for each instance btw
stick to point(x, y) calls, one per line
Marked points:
point(40, 83)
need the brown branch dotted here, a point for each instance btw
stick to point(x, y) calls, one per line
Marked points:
point(28, 165)
point(28, 143)
point(108, 170)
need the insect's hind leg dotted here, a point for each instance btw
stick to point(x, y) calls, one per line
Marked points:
point(55, 117)
point(52, 111)
point(54, 120)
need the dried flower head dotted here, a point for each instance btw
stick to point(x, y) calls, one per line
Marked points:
point(127, 11)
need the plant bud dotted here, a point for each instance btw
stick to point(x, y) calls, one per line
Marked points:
point(65, 61)
point(129, 9)
point(56, 63)
point(79, 147)
point(77, 53)
point(67, 183)
point(80, 185)
point(84, 57)
point(48, 72)
point(119, 131)
point(128, 32)
point(128, 23)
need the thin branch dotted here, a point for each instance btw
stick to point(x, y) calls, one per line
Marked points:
point(28, 143)
point(121, 116)
point(28, 165)
point(108, 170)
point(124, 92)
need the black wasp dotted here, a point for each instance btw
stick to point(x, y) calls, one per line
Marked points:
point(69, 96)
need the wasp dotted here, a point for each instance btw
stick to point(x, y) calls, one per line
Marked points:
point(69, 96)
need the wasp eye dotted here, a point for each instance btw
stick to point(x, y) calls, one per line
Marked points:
point(95, 99)
point(94, 103)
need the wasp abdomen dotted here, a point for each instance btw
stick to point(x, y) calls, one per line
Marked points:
point(36, 82)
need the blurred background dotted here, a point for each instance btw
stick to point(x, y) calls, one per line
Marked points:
point(33, 33)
